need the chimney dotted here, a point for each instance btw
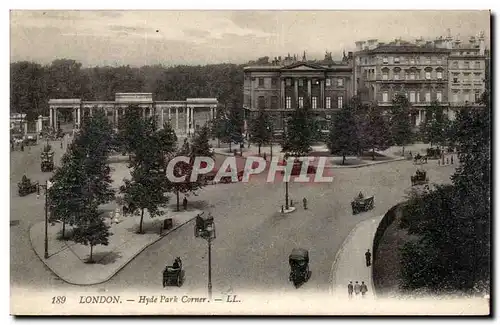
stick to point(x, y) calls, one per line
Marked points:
point(472, 41)
point(482, 45)
point(350, 55)
point(419, 41)
point(360, 45)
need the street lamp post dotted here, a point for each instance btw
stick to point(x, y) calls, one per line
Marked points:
point(46, 241)
point(209, 235)
point(286, 194)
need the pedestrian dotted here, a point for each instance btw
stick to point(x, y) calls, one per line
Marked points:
point(265, 156)
point(447, 161)
point(368, 258)
point(452, 159)
point(185, 203)
point(291, 203)
point(22, 147)
point(350, 289)
point(357, 288)
point(304, 200)
point(364, 288)
point(282, 209)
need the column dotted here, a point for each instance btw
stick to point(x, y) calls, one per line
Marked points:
point(55, 118)
point(186, 109)
point(211, 113)
point(143, 112)
point(78, 117)
point(169, 115)
point(192, 119)
point(176, 118)
point(215, 111)
point(162, 122)
point(283, 99)
point(322, 94)
point(296, 92)
point(309, 90)
point(51, 117)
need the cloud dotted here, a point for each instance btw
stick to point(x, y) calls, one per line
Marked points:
point(266, 21)
point(196, 33)
point(130, 29)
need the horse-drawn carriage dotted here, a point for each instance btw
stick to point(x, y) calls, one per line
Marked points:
point(419, 178)
point(173, 275)
point(203, 223)
point(25, 186)
point(362, 204)
point(299, 266)
point(419, 159)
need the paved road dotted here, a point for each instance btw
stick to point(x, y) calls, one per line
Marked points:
point(253, 240)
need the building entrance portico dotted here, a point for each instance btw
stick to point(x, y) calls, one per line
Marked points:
point(184, 116)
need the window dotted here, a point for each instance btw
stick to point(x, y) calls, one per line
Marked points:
point(427, 97)
point(328, 102)
point(455, 80)
point(396, 59)
point(366, 61)
point(477, 65)
point(427, 60)
point(438, 60)
point(391, 60)
point(261, 82)
point(418, 97)
point(455, 65)
point(288, 102)
point(412, 97)
point(301, 102)
point(427, 75)
point(385, 76)
point(396, 75)
point(385, 96)
point(412, 60)
point(439, 75)
point(466, 97)
point(466, 65)
point(339, 102)
point(262, 102)
point(328, 82)
point(288, 82)
point(439, 96)
point(455, 97)
point(274, 102)
point(340, 82)
point(412, 75)
point(274, 82)
point(301, 82)
point(477, 96)
point(385, 60)
point(314, 102)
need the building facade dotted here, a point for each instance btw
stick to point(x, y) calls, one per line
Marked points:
point(417, 72)
point(467, 69)
point(184, 116)
point(442, 70)
point(279, 89)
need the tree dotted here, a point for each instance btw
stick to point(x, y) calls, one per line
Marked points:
point(435, 127)
point(452, 223)
point(235, 123)
point(28, 91)
point(92, 230)
point(374, 131)
point(66, 195)
point(130, 130)
point(343, 138)
point(221, 127)
point(200, 147)
point(260, 129)
point(400, 124)
point(167, 139)
point(297, 141)
point(96, 140)
point(146, 189)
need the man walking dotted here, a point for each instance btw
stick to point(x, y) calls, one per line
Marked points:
point(364, 288)
point(368, 258)
point(350, 289)
point(357, 288)
point(304, 201)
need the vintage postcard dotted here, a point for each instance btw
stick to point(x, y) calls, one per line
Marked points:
point(250, 162)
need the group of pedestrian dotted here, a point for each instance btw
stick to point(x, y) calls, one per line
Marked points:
point(357, 289)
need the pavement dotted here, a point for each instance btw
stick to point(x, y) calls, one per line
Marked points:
point(67, 259)
point(350, 264)
point(250, 253)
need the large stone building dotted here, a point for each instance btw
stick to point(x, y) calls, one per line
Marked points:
point(442, 70)
point(467, 68)
point(184, 116)
point(418, 72)
point(284, 85)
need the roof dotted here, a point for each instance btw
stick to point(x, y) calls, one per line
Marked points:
point(300, 66)
point(405, 49)
point(299, 253)
point(202, 100)
point(65, 101)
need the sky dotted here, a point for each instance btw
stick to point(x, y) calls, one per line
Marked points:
point(136, 38)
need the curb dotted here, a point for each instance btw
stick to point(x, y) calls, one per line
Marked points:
point(119, 268)
point(366, 165)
